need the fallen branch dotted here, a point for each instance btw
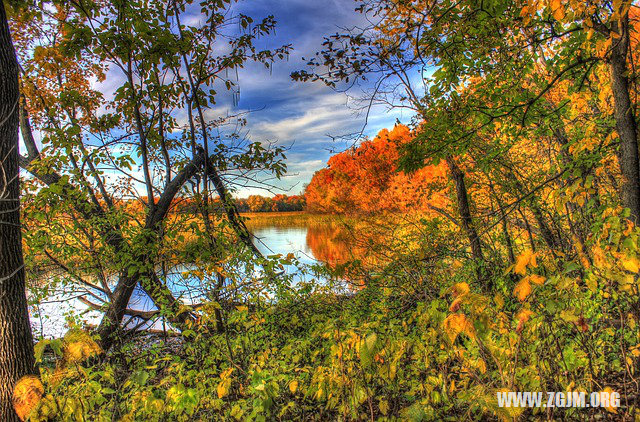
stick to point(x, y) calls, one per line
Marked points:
point(146, 315)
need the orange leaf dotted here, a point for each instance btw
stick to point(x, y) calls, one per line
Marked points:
point(26, 395)
point(460, 289)
point(536, 279)
point(523, 317)
point(522, 289)
point(610, 408)
point(455, 324)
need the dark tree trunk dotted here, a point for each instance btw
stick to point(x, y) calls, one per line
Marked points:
point(626, 124)
point(528, 228)
point(505, 228)
point(16, 342)
point(545, 230)
point(464, 210)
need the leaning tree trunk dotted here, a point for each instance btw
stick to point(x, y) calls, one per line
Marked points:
point(16, 342)
point(464, 210)
point(503, 222)
point(626, 124)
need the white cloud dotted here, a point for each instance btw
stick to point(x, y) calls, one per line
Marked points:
point(316, 121)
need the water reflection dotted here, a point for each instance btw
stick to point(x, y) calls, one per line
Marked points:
point(311, 242)
point(330, 244)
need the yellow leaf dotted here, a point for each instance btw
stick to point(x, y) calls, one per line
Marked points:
point(222, 389)
point(383, 406)
point(225, 384)
point(537, 279)
point(522, 289)
point(482, 366)
point(460, 289)
point(631, 264)
point(371, 340)
point(293, 386)
point(78, 346)
point(568, 316)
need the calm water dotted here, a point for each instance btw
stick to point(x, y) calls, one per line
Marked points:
point(49, 319)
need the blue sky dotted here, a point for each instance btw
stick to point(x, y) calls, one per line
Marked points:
point(307, 118)
point(301, 116)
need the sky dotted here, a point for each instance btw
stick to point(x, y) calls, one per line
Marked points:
point(301, 116)
point(307, 118)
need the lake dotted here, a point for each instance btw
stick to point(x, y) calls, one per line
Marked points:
point(310, 243)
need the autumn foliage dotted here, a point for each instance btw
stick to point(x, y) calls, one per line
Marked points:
point(366, 179)
point(491, 246)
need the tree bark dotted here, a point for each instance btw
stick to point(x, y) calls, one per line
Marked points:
point(464, 210)
point(16, 341)
point(626, 124)
point(503, 222)
point(545, 230)
point(230, 209)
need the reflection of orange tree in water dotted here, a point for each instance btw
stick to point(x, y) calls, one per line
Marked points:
point(341, 247)
point(329, 244)
point(354, 247)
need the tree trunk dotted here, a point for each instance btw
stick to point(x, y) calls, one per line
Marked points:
point(527, 226)
point(532, 202)
point(230, 209)
point(16, 341)
point(503, 222)
point(463, 208)
point(626, 124)
point(545, 230)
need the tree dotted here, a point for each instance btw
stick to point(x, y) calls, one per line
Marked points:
point(498, 82)
point(366, 179)
point(16, 342)
point(618, 32)
point(257, 203)
point(155, 124)
point(388, 51)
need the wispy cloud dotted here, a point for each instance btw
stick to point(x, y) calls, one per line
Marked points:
point(304, 116)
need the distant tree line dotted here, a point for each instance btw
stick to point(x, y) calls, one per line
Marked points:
point(280, 202)
point(253, 203)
